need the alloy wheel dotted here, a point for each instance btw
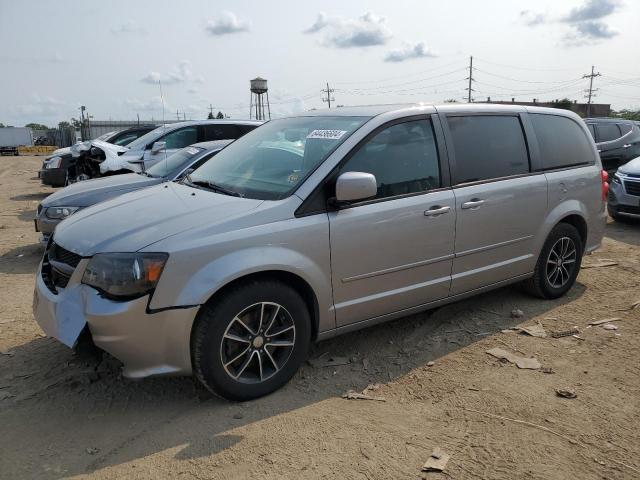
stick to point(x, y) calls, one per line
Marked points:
point(258, 342)
point(561, 262)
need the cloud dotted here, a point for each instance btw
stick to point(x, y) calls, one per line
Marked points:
point(180, 74)
point(585, 21)
point(42, 106)
point(193, 91)
point(409, 52)
point(226, 24)
point(591, 10)
point(321, 21)
point(595, 30)
point(151, 105)
point(532, 19)
point(365, 31)
point(128, 26)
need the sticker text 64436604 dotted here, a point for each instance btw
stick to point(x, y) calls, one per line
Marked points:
point(327, 134)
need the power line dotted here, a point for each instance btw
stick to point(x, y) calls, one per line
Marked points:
point(469, 89)
point(329, 92)
point(590, 92)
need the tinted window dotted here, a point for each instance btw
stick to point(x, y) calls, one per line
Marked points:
point(181, 138)
point(487, 147)
point(561, 140)
point(246, 128)
point(126, 139)
point(174, 162)
point(624, 128)
point(403, 158)
point(592, 130)
point(221, 132)
point(608, 132)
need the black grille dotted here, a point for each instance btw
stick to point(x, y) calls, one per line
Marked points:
point(628, 209)
point(632, 188)
point(58, 265)
point(56, 252)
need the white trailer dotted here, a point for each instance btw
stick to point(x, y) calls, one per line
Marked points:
point(13, 137)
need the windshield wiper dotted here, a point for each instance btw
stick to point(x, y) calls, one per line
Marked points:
point(212, 186)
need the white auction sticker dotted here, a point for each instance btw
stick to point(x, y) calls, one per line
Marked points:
point(192, 151)
point(327, 134)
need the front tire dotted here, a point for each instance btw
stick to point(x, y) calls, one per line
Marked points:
point(558, 264)
point(251, 341)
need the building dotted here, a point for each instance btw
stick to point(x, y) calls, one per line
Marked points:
point(597, 109)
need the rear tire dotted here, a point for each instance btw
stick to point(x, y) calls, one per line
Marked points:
point(264, 325)
point(558, 264)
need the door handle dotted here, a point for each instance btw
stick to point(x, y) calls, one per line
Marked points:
point(628, 145)
point(437, 210)
point(474, 203)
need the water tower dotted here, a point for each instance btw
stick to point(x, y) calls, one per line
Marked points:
point(259, 90)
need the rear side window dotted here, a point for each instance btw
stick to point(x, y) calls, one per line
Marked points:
point(488, 146)
point(561, 140)
point(592, 130)
point(402, 157)
point(221, 132)
point(608, 132)
point(625, 128)
point(181, 138)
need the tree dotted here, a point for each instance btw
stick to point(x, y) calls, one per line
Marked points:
point(210, 116)
point(564, 104)
point(220, 115)
point(1, 125)
point(64, 125)
point(36, 126)
point(627, 114)
point(451, 100)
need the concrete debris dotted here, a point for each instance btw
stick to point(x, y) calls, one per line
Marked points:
point(353, 395)
point(437, 461)
point(606, 320)
point(92, 450)
point(599, 264)
point(609, 326)
point(566, 393)
point(565, 333)
point(521, 362)
point(536, 330)
point(547, 370)
point(517, 313)
point(431, 364)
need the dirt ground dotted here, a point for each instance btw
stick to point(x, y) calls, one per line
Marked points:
point(64, 415)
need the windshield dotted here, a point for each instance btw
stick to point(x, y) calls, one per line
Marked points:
point(270, 162)
point(142, 142)
point(104, 136)
point(177, 161)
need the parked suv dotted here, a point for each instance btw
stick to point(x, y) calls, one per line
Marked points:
point(55, 168)
point(618, 140)
point(624, 195)
point(316, 225)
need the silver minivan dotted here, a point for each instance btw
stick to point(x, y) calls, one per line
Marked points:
point(312, 226)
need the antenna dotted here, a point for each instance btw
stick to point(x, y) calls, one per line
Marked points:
point(165, 149)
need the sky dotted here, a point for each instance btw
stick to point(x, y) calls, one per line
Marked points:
point(111, 56)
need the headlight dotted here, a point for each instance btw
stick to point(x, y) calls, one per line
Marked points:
point(54, 162)
point(616, 178)
point(58, 213)
point(124, 276)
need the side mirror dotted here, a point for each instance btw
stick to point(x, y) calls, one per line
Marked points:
point(352, 186)
point(158, 147)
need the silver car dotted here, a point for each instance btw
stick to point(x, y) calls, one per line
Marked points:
point(316, 225)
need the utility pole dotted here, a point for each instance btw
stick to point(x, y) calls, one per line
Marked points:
point(329, 98)
point(211, 109)
point(82, 108)
point(591, 91)
point(470, 78)
point(177, 114)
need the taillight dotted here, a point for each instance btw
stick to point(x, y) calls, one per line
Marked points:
point(605, 184)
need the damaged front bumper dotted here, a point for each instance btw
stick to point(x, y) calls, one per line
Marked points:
point(147, 343)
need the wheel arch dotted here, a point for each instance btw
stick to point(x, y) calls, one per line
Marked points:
point(299, 284)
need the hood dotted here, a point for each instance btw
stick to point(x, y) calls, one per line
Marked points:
point(632, 167)
point(59, 152)
point(132, 221)
point(112, 162)
point(90, 192)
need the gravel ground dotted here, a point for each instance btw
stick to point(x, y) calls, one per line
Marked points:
point(66, 415)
